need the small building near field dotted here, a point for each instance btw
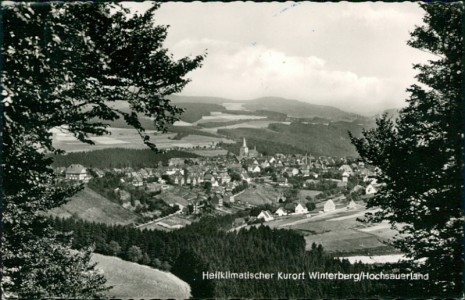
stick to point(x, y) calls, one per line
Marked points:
point(351, 205)
point(280, 212)
point(76, 172)
point(265, 215)
point(329, 206)
point(300, 209)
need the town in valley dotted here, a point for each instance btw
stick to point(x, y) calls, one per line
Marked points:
point(320, 197)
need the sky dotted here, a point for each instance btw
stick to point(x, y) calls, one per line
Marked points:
point(352, 56)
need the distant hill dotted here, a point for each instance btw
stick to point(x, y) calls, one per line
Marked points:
point(131, 280)
point(295, 108)
point(316, 139)
point(292, 108)
point(90, 206)
point(176, 99)
point(393, 112)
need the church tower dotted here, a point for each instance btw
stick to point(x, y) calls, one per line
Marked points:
point(244, 151)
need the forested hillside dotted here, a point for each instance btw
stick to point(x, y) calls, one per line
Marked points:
point(118, 158)
point(207, 246)
point(317, 139)
point(291, 107)
point(90, 206)
point(298, 109)
point(195, 111)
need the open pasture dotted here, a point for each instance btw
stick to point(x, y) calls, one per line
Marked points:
point(92, 207)
point(234, 106)
point(344, 240)
point(129, 138)
point(258, 195)
point(339, 231)
point(224, 117)
point(246, 124)
point(131, 280)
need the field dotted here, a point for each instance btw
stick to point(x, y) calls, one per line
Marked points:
point(131, 280)
point(167, 224)
point(234, 106)
point(92, 207)
point(306, 193)
point(258, 195)
point(175, 195)
point(224, 117)
point(245, 124)
point(339, 232)
point(129, 138)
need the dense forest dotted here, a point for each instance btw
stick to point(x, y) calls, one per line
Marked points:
point(187, 130)
point(208, 246)
point(118, 158)
point(195, 111)
point(318, 139)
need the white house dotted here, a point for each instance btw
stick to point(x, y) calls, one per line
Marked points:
point(76, 172)
point(346, 168)
point(345, 176)
point(329, 206)
point(255, 169)
point(280, 212)
point(137, 181)
point(351, 205)
point(265, 215)
point(295, 172)
point(300, 209)
point(371, 189)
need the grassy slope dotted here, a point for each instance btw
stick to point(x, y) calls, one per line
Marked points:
point(131, 280)
point(259, 195)
point(90, 206)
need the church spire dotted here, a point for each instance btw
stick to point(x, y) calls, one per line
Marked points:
point(244, 144)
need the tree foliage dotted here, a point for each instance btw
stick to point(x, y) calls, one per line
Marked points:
point(420, 155)
point(67, 65)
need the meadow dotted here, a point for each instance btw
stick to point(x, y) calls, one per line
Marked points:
point(130, 139)
point(90, 206)
point(246, 124)
point(131, 280)
point(339, 232)
point(258, 194)
point(225, 117)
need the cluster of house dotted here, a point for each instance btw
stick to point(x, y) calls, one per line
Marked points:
point(309, 167)
point(74, 172)
point(218, 171)
point(299, 209)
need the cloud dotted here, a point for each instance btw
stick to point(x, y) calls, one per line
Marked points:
point(251, 71)
point(350, 55)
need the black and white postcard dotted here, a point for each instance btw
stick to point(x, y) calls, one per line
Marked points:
point(242, 150)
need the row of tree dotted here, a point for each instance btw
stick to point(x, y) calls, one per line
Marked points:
point(119, 158)
point(207, 246)
point(420, 155)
